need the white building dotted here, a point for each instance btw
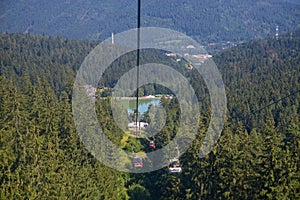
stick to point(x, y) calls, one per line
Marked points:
point(140, 124)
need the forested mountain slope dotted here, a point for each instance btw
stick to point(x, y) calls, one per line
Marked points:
point(206, 20)
point(256, 157)
point(260, 73)
point(41, 156)
point(54, 60)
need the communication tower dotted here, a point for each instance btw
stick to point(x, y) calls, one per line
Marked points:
point(276, 34)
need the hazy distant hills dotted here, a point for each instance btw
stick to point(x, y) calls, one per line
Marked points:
point(294, 1)
point(206, 20)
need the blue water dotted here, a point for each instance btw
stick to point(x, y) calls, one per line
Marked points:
point(144, 105)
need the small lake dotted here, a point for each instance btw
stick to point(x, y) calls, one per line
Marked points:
point(143, 104)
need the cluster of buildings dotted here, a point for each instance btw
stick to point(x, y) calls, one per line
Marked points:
point(138, 125)
point(200, 57)
point(90, 91)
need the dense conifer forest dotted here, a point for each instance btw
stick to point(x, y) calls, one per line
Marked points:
point(207, 21)
point(256, 157)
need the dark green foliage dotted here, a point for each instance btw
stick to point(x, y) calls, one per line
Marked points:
point(257, 155)
point(55, 60)
point(42, 157)
point(41, 154)
point(259, 73)
point(137, 192)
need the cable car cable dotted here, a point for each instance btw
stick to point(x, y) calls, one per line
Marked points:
point(265, 106)
point(138, 58)
point(274, 102)
point(138, 162)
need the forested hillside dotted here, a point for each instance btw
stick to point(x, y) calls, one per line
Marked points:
point(41, 154)
point(256, 157)
point(207, 21)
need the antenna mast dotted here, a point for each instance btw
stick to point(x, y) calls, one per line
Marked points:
point(112, 38)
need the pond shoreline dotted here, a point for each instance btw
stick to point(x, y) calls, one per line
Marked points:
point(132, 98)
point(145, 97)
